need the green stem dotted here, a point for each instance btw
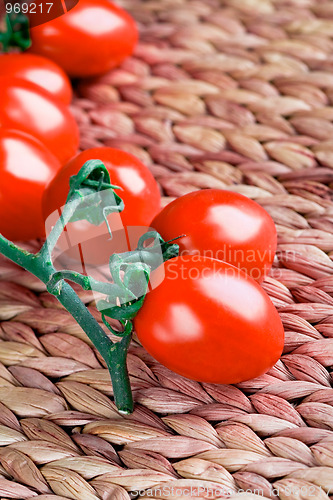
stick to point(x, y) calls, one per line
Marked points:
point(53, 237)
point(16, 254)
point(86, 282)
point(114, 354)
point(117, 356)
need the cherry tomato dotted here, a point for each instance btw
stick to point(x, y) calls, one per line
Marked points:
point(27, 107)
point(223, 225)
point(210, 322)
point(40, 71)
point(92, 38)
point(140, 194)
point(26, 166)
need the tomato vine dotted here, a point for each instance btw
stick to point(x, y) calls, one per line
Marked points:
point(92, 197)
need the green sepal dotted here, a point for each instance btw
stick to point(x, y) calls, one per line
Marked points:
point(168, 249)
point(136, 279)
point(99, 199)
point(16, 32)
point(154, 255)
point(123, 312)
point(134, 284)
point(128, 327)
point(136, 267)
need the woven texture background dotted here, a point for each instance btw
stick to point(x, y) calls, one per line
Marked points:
point(233, 94)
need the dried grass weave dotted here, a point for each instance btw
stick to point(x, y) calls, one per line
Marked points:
point(233, 94)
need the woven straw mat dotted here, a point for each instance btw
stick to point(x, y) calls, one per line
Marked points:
point(230, 94)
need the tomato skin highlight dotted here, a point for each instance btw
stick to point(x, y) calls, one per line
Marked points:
point(208, 321)
point(90, 39)
point(38, 70)
point(26, 166)
point(140, 193)
point(223, 225)
point(24, 106)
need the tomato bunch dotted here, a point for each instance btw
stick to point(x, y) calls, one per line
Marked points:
point(207, 319)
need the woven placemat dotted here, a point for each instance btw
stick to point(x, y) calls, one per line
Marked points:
point(232, 94)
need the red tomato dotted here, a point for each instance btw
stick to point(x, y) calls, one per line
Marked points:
point(210, 322)
point(40, 71)
point(223, 225)
point(26, 166)
point(92, 38)
point(26, 107)
point(140, 194)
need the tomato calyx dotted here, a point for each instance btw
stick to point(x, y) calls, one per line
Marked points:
point(136, 267)
point(15, 32)
point(98, 196)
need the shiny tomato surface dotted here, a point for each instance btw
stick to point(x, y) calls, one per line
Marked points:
point(40, 71)
point(92, 38)
point(25, 106)
point(223, 225)
point(26, 166)
point(210, 322)
point(139, 191)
